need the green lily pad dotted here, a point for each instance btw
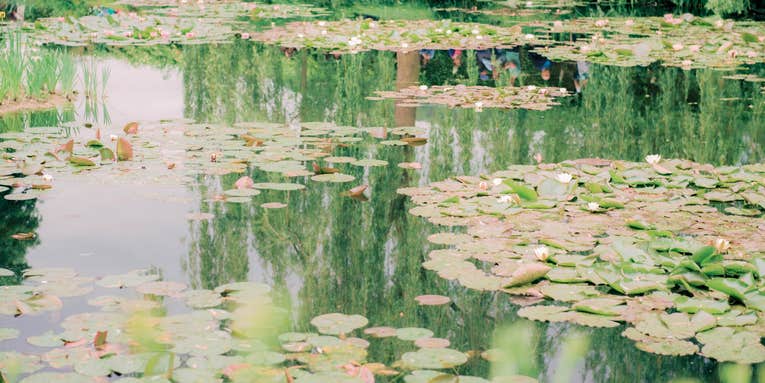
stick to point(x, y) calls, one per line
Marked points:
point(336, 323)
point(433, 358)
point(413, 333)
point(333, 177)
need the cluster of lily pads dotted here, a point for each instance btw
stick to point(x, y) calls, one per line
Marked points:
point(231, 332)
point(674, 248)
point(230, 10)
point(682, 41)
point(394, 35)
point(129, 28)
point(477, 97)
point(176, 151)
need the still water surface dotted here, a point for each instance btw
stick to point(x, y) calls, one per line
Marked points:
point(327, 253)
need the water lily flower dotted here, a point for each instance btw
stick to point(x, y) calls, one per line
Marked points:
point(404, 45)
point(677, 46)
point(496, 181)
point(322, 23)
point(244, 182)
point(213, 157)
point(475, 31)
point(439, 30)
point(478, 106)
point(542, 253)
point(531, 88)
point(686, 63)
point(563, 178)
point(505, 198)
point(324, 32)
point(719, 23)
point(732, 53)
point(483, 185)
point(423, 87)
point(543, 91)
point(529, 4)
point(354, 41)
point(653, 159)
point(593, 206)
point(479, 37)
point(448, 31)
point(601, 23)
point(153, 34)
point(751, 54)
point(113, 137)
point(47, 177)
point(245, 36)
point(557, 24)
point(190, 35)
point(164, 34)
point(563, 90)
point(128, 34)
point(629, 22)
point(721, 245)
point(529, 36)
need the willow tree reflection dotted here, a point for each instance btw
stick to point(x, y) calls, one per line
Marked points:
point(326, 253)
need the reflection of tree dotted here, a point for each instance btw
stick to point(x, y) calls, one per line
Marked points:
point(22, 216)
point(332, 253)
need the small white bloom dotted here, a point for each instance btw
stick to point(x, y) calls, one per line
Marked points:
point(483, 185)
point(563, 90)
point(479, 106)
point(496, 181)
point(593, 206)
point(324, 32)
point(653, 159)
point(531, 87)
point(686, 63)
point(629, 22)
point(404, 45)
point(557, 24)
point(563, 178)
point(47, 177)
point(439, 30)
point(322, 23)
point(542, 253)
point(113, 137)
point(479, 37)
point(475, 31)
point(529, 36)
point(529, 4)
point(505, 198)
point(423, 87)
point(721, 245)
point(300, 35)
point(354, 41)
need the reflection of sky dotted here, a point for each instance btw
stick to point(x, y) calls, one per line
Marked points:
point(101, 229)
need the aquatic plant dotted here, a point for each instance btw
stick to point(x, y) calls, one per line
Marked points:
point(677, 269)
point(477, 97)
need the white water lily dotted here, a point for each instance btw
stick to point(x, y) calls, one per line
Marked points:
point(448, 31)
point(531, 87)
point(354, 41)
point(529, 4)
point(721, 245)
point(483, 185)
point(475, 31)
point(322, 23)
point(563, 178)
point(404, 45)
point(653, 159)
point(423, 87)
point(629, 22)
point(496, 181)
point(529, 36)
point(542, 253)
point(324, 32)
point(563, 90)
point(113, 137)
point(686, 63)
point(479, 37)
point(479, 106)
point(505, 198)
point(47, 177)
point(593, 206)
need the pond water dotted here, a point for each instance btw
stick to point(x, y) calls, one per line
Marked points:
point(326, 252)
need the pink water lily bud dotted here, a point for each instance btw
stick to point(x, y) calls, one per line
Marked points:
point(244, 183)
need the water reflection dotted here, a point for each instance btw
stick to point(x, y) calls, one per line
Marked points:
point(326, 253)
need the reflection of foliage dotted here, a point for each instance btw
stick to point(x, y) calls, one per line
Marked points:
point(333, 253)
